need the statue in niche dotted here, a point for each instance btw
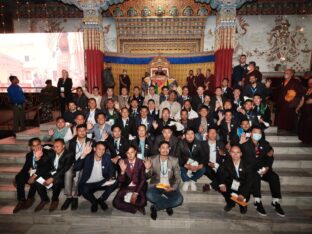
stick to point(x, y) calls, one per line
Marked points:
point(202, 11)
point(160, 11)
point(174, 11)
point(146, 12)
point(188, 11)
point(118, 12)
point(132, 12)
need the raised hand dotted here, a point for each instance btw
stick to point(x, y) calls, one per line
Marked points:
point(123, 166)
point(87, 149)
point(51, 132)
point(155, 124)
point(89, 125)
point(104, 136)
point(38, 152)
point(268, 83)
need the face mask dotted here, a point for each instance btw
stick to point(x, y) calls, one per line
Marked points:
point(256, 136)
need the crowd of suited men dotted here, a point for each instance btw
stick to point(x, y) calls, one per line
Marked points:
point(149, 148)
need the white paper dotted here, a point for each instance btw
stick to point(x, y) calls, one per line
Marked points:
point(140, 156)
point(32, 172)
point(235, 185)
point(40, 180)
point(132, 184)
point(109, 182)
point(127, 197)
point(62, 89)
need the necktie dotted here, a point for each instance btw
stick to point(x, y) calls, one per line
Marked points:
point(201, 99)
point(131, 166)
point(237, 172)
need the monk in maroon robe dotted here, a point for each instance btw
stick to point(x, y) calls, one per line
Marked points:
point(191, 83)
point(291, 92)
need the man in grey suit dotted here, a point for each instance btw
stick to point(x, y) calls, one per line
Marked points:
point(164, 172)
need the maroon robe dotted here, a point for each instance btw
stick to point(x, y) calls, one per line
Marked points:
point(305, 122)
point(125, 82)
point(137, 176)
point(200, 80)
point(286, 111)
point(191, 85)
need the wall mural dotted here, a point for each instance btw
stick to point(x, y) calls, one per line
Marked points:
point(278, 41)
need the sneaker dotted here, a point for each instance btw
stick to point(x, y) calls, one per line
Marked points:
point(193, 186)
point(260, 209)
point(185, 186)
point(169, 211)
point(153, 213)
point(243, 209)
point(278, 209)
point(74, 204)
point(229, 207)
point(94, 207)
point(67, 203)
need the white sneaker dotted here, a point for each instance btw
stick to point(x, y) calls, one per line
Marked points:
point(185, 186)
point(193, 186)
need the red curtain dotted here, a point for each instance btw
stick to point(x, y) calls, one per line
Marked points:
point(223, 65)
point(94, 61)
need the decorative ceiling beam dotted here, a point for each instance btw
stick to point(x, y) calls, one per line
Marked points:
point(218, 4)
point(102, 5)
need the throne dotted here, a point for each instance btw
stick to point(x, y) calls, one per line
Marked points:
point(159, 70)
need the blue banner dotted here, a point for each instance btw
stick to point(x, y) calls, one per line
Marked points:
point(172, 60)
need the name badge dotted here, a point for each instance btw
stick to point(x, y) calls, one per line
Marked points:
point(235, 185)
point(62, 89)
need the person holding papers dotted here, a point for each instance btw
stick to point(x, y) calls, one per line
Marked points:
point(235, 178)
point(164, 172)
point(131, 195)
point(36, 164)
point(97, 174)
point(191, 159)
point(62, 160)
point(258, 153)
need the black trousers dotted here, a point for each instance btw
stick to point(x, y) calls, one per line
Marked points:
point(42, 191)
point(212, 175)
point(88, 190)
point(274, 182)
point(21, 180)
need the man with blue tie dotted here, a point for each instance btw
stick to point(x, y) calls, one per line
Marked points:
point(98, 173)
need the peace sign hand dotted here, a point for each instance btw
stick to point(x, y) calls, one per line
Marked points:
point(87, 149)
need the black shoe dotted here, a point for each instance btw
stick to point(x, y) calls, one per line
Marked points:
point(153, 213)
point(169, 211)
point(20, 206)
point(278, 209)
point(94, 207)
point(229, 206)
point(260, 209)
point(74, 204)
point(243, 209)
point(102, 204)
point(66, 204)
point(142, 210)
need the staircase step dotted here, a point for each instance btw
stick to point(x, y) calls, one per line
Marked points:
point(188, 218)
point(271, 129)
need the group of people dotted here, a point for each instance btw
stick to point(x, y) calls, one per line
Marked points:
point(149, 147)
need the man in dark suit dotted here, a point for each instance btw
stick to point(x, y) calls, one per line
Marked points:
point(235, 176)
point(215, 155)
point(238, 72)
point(117, 144)
point(162, 122)
point(126, 124)
point(70, 115)
point(98, 173)
point(145, 119)
point(142, 143)
point(256, 87)
point(64, 86)
point(191, 160)
point(227, 92)
point(76, 147)
point(258, 153)
point(198, 100)
point(203, 122)
point(62, 160)
point(80, 99)
point(91, 112)
point(166, 135)
point(37, 161)
point(252, 71)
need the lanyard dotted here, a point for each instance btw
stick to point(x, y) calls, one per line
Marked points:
point(163, 170)
point(34, 162)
